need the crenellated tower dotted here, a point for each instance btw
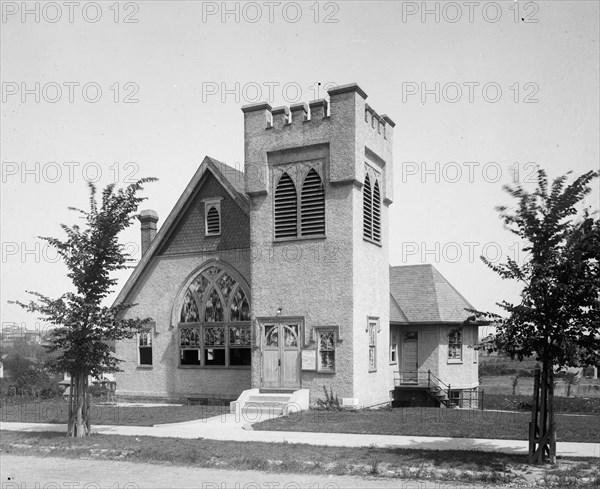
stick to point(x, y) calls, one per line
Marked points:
point(319, 177)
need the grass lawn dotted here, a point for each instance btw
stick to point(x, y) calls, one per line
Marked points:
point(56, 411)
point(433, 422)
point(445, 465)
point(502, 384)
point(572, 405)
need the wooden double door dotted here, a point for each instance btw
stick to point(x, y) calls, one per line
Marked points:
point(281, 349)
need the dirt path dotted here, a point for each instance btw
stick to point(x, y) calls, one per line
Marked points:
point(24, 472)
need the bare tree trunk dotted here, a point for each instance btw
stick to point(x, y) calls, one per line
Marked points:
point(542, 432)
point(79, 424)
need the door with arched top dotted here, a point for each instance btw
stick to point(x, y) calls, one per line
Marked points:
point(281, 354)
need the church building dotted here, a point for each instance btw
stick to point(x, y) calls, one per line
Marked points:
point(274, 283)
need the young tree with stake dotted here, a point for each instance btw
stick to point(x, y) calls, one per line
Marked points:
point(559, 313)
point(85, 328)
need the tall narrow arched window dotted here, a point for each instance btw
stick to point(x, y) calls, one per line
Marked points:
point(372, 207)
point(312, 206)
point(214, 321)
point(286, 208)
point(367, 209)
point(376, 213)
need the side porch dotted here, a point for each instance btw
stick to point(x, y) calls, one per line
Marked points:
point(420, 388)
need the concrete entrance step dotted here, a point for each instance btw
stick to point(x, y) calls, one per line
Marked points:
point(271, 402)
point(269, 398)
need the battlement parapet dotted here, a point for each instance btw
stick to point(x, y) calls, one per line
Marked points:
point(378, 123)
point(261, 116)
point(345, 124)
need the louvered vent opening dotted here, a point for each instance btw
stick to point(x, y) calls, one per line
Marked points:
point(376, 213)
point(367, 209)
point(213, 221)
point(312, 208)
point(286, 208)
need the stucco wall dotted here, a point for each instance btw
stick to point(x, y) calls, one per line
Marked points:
point(184, 253)
point(463, 375)
point(156, 295)
point(338, 280)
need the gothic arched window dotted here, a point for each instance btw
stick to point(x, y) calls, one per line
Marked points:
point(286, 208)
point(214, 321)
point(372, 209)
point(312, 205)
point(299, 203)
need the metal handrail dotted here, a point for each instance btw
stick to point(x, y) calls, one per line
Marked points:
point(422, 378)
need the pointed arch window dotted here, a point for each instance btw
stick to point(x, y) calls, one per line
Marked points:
point(312, 205)
point(214, 327)
point(367, 209)
point(299, 209)
point(212, 217)
point(286, 208)
point(372, 209)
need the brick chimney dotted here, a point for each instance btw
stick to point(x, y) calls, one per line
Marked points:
point(148, 220)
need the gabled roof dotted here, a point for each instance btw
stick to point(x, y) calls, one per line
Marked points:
point(230, 178)
point(423, 295)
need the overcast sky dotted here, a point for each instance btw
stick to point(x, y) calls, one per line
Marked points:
point(481, 92)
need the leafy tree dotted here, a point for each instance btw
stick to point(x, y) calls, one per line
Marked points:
point(571, 379)
point(558, 316)
point(85, 328)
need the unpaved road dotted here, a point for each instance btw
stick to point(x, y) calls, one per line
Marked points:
point(25, 472)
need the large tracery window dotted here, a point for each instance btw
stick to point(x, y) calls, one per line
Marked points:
point(214, 322)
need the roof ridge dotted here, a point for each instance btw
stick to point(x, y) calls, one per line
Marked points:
point(437, 292)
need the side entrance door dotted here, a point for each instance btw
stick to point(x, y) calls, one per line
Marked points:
point(281, 355)
point(410, 359)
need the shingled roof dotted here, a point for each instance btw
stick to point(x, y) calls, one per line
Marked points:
point(230, 178)
point(420, 294)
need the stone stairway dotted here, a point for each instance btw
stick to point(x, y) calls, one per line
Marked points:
point(267, 403)
point(259, 404)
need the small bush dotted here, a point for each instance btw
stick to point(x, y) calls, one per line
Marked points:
point(331, 402)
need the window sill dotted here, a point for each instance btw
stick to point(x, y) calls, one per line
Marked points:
point(214, 367)
point(454, 361)
point(372, 241)
point(371, 370)
point(393, 363)
point(299, 238)
point(145, 367)
point(212, 235)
